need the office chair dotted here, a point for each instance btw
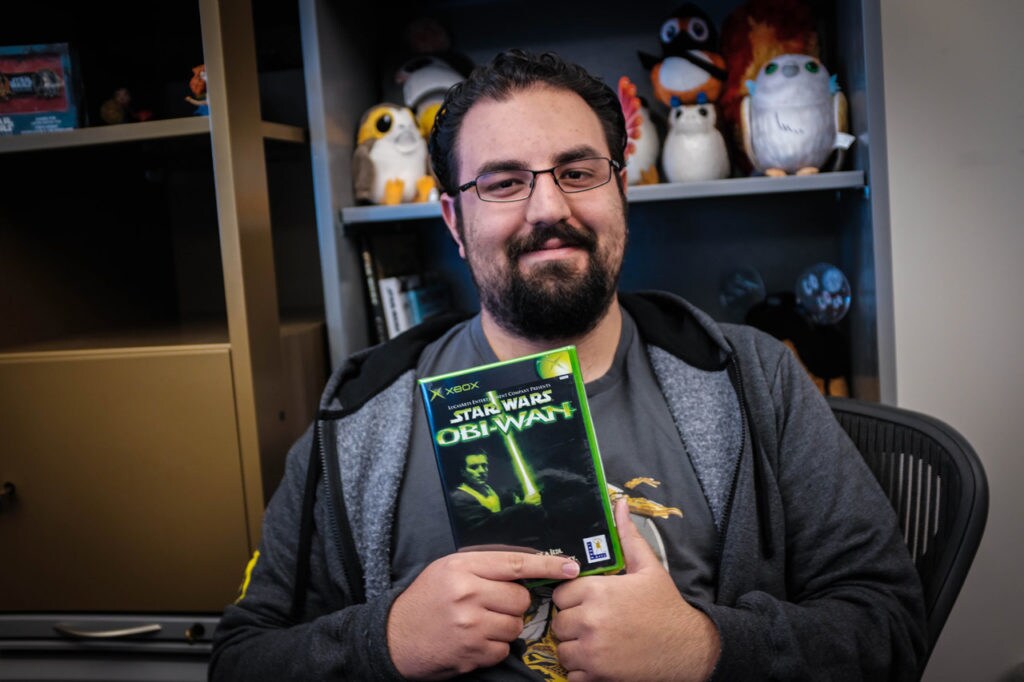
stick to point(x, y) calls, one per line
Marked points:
point(937, 486)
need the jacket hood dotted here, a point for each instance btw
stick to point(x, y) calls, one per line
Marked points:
point(664, 320)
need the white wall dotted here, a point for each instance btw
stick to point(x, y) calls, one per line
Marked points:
point(954, 107)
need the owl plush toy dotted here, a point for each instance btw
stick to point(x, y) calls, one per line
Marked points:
point(642, 147)
point(794, 117)
point(689, 65)
point(390, 163)
point(694, 148)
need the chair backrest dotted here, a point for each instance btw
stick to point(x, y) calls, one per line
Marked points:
point(937, 486)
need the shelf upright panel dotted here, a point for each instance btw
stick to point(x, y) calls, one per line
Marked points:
point(338, 90)
point(243, 211)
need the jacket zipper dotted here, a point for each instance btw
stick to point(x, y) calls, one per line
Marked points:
point(331, 516)
point(737, 382)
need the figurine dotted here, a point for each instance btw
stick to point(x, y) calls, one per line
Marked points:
point(689, 65)
point(425, 80)
point(390, 163)
point(119, 109)
point(753, 34)
point(793, 117)
point(643, 147)
point(197, 85)
point(694, 147)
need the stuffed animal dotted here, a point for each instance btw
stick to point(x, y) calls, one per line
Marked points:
point(694, 148)
point(752, 35)
point(425, 80)
point(643, 146)
point(390, 162)
point(197, 85)
point(794, 117)
point(429, 66)
point(823, 350)
point(688, 65)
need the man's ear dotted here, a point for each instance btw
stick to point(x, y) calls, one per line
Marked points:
point(623, 181)
point(451, 220)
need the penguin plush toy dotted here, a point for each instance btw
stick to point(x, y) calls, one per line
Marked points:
point(390, 164)
point(694, 147)
point(689, 65)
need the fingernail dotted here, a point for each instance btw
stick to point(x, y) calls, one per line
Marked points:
point(571, 569)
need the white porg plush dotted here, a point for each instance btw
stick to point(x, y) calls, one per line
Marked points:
point(793, 117)
point(390, 163)
point(694, 148)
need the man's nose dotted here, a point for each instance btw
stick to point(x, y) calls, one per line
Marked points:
point(548, 204)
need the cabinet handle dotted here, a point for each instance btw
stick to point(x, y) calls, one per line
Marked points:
point(7, 492)
point(75, 633)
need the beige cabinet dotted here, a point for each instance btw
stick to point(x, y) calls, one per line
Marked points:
point(127, 474)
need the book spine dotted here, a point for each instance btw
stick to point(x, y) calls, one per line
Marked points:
point(378, 325)
point(396, 313)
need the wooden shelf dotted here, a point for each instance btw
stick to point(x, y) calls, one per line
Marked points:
point(671, 191)
point(134, 132)
point(193, 336)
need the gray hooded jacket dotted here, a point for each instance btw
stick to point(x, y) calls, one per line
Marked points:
point(814, 580)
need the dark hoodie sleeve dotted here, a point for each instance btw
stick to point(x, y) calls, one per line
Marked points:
point(258, 639)
point(852, 608)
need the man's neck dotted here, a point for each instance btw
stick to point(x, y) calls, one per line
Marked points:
point(595, 349)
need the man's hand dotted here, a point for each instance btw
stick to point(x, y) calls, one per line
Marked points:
point(462, 611)
point(634, 626)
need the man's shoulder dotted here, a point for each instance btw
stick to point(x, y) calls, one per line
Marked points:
point(370, 371)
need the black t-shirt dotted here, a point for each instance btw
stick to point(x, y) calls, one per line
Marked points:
point(643, 455)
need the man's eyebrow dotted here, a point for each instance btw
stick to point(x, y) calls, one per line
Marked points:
point(583, 151)
point(500, 165)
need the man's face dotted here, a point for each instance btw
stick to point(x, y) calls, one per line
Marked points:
point(546, 267)
point(475, 471)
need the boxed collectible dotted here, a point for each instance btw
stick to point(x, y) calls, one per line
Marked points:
point(37, 89)
point(519, 461)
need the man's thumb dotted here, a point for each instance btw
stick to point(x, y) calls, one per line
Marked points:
point(635, 550)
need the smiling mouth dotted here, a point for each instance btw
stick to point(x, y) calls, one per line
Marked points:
point(553, 241)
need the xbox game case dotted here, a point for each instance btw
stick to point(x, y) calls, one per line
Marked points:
point(519, 461)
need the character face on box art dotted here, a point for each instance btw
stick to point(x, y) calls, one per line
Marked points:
point(475, 471)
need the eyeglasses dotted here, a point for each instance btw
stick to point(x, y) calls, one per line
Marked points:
point(516, 185)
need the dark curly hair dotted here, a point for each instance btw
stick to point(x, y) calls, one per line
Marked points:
point(508, 73)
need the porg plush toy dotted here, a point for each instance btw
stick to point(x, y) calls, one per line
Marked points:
point(390, 164)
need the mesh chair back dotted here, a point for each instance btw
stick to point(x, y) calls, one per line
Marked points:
point(937, 486)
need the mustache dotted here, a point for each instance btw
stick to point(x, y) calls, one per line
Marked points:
point(568, 235)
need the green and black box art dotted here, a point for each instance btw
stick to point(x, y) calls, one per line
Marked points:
point(519, 462)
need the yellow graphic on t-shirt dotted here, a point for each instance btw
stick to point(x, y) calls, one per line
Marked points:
point(541, 654)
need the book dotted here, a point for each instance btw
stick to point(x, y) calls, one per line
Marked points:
point(378, 328)
point(429, 299)
point(519, 461)
point(395, 302)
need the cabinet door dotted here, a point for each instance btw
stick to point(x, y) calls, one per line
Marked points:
point(128, 484)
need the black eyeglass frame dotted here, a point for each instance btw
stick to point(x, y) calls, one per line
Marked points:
point(613, 165)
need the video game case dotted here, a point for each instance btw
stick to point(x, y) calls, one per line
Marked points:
point(519, 461)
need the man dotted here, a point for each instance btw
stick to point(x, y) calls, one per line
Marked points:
point(483, 515)
point(765, 549)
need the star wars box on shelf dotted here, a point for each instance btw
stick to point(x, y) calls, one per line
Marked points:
point(38, 89)
point(519, 461)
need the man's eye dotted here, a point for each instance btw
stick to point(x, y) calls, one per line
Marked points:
point(501, 185)
point(576, 176)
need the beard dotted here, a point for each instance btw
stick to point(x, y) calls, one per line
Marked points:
point(552, 301)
